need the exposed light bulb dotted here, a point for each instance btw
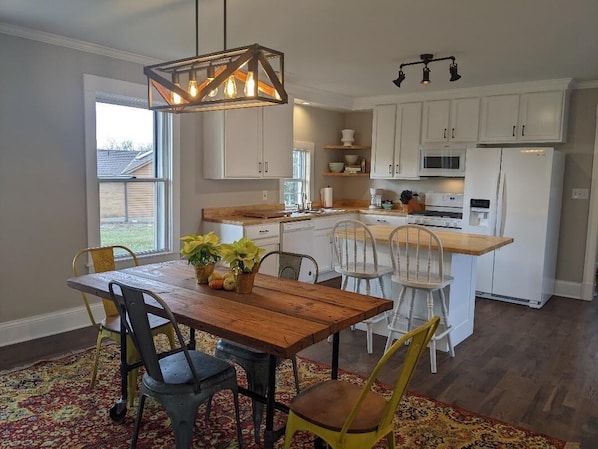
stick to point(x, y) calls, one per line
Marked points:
point(193, 90)
point(250, 86)
point(176, 98)
point(230, 88)
point(210, 78)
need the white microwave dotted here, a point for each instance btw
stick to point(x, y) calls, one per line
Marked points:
point(447, 162)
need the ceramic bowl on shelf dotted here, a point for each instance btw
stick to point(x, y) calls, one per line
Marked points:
point(351, 159)
point(336, 167)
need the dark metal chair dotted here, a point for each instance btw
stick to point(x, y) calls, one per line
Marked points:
point(254, 362)
point(181, 379)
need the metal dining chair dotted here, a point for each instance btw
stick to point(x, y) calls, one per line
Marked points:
point(357, 261)
point(254, 362)
point(181, 379)
point(417, 259)
point(350, 416)
point(102, 259)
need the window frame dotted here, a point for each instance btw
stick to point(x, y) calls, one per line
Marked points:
point(113, 91)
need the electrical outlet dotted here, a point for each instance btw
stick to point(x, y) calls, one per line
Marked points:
point(265, 195)
point(579, 194)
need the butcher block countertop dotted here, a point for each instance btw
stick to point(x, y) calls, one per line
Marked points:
point(453, 242)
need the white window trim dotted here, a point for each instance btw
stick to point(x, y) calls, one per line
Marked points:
point(94, 86)
point(310, 147)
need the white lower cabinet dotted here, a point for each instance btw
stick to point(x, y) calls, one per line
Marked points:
point(266, 236)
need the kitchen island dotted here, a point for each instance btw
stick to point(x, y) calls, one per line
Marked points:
point(460, 258)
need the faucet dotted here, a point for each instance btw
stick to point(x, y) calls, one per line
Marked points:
point(301, 205)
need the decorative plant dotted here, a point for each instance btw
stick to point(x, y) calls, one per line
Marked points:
point(201, 250)
point(242, 255)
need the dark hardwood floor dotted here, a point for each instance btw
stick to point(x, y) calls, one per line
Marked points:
point(534, 368)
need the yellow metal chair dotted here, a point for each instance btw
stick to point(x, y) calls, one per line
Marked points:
point(102, 259)
point(349, 416)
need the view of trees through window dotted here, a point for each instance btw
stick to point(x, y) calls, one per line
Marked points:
point(296, 189)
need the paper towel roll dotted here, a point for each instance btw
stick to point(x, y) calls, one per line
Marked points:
point(326, 196)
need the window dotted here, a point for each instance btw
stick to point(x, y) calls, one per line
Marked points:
point(297, 189)
point(130, 160)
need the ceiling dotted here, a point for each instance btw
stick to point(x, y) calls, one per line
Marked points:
point(346, 48)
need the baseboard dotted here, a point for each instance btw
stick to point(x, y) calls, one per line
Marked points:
point(569, 289)
point(39, 326)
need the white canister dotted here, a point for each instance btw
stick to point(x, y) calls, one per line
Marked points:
point(326, 197)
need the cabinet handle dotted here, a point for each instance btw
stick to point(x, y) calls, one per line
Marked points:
point(266, 165)
point(396, 169)
point(264, 231)
point(453, 133)
point(390, 169)
point(513, 130)
point(523, 130)
point(445, 133)
point(259, 167)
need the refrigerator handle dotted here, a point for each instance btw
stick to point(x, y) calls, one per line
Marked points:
point(501, 215)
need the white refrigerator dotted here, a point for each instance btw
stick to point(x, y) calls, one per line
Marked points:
point(515, 192)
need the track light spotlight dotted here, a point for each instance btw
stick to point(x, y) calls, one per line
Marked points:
point(427, 58)
point(400, 79)
point(426, 78)
point(453, 71)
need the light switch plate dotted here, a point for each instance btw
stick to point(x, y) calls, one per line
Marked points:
point(580, 194)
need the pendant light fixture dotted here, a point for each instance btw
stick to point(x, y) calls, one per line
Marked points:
point(427, 58)
point(209, 82)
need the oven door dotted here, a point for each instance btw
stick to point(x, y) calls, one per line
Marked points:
point(445, 162)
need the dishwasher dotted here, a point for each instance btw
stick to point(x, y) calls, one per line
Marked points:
point(298, 237)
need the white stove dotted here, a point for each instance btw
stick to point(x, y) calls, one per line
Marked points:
point(443, 210)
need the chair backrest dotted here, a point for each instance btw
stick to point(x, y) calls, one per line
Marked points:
point(354, 247)
point(291, 265)
point(418, 340)
point(416, 253)
point(134, 305)
point(102, 260)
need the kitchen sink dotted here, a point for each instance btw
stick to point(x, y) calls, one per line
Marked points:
point(307, 213)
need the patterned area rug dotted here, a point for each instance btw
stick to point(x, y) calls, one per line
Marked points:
point(50, 404)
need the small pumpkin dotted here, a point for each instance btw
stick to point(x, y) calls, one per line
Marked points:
point(216, 284)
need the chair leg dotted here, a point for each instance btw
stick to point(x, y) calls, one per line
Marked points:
point(369, 339)
point(390, 439)
point(96, 359)
point(394, 319)
point(410, 313)
point(430, 302)
point(446, 323)
point(295, 373)
point(238, 417)
point(182, 414)
point(138, 421)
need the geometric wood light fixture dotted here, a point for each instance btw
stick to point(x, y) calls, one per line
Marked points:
point(238, 78)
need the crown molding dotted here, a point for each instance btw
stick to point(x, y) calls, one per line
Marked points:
point(585, 85)
point(54, 39)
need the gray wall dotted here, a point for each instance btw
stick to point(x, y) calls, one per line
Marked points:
point(42, 171)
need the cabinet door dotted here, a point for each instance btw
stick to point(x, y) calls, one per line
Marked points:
point(322, 250)
point(464, 119)
point(541, 117)
point(435, 122)
point(383, 141)
point(277, 138)
point(499, 118)
point(242, 143)
point(407, 139)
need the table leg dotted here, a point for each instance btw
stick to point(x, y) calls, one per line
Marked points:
point(270, 435)
point(335, 352)
point(119, 409)
point(192, 338)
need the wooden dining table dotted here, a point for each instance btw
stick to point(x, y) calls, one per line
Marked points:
point(280, 317)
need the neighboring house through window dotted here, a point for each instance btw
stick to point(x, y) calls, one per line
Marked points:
point(130, 154)
point(298, 189)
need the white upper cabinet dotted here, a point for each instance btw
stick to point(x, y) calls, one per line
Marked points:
point(395, 141)
point(453, 120)
point(248, 143)
point(528, 117)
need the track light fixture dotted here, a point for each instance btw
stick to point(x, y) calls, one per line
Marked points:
point(427, 58)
